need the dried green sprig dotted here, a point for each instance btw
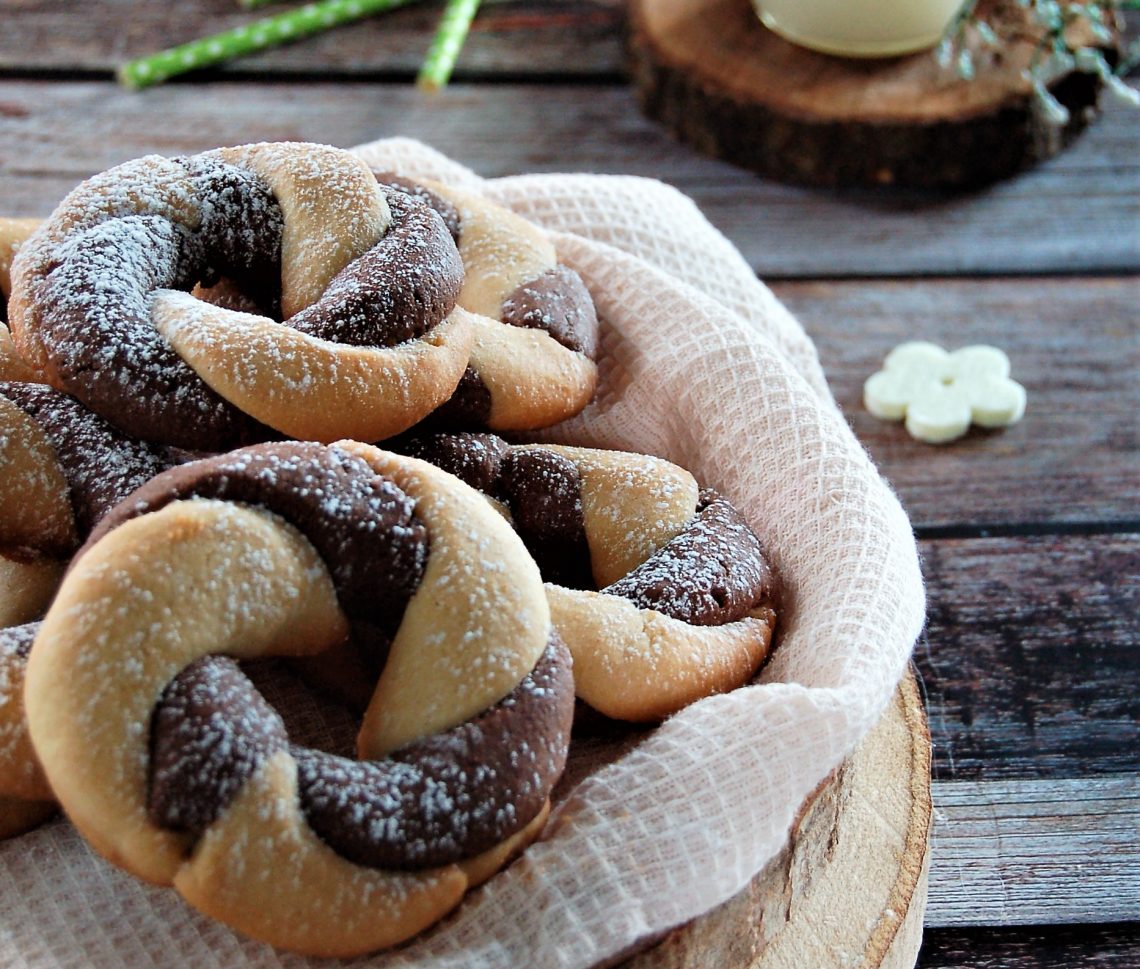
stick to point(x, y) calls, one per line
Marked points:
point(1054, 55)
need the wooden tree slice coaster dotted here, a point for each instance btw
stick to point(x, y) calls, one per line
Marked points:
point(850, 887)
point(724, 83)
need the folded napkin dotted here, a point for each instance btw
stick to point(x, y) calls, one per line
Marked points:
point(702, 365)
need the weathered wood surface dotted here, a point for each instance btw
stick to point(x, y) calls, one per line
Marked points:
point(578, 38)
point(1074, 459)
point(1035, 852)
point(1052, 947)
point(1078, 213)
point(1030, 657)
point(1013, 852)
point(724, 83)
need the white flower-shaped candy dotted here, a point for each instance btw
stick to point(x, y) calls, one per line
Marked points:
point(940, 394)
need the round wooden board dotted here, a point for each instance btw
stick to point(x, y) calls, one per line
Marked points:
point(724, 83)
point(850, 887)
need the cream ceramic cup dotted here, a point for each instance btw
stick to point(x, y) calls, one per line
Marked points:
point(859, 28)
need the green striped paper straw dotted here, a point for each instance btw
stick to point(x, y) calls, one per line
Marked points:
point(282, 28)
point(446, 44)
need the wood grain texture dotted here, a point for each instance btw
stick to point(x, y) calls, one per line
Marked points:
point(850, 887)
point(1078, 213)
point(1014, 852)
point(1035, 852)
point(574, 38)
point(1075, 346)
point(1047, 947)
point(1030, 658)
point(721, 81)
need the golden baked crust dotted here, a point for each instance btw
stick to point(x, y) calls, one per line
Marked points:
point(61, 467)
point(200, 577)
point(24, 791)
point(635, 663)
point(294, 382)
point(13, 233)
point(534, 381)
point(35, 513)
point(475, 627)
point(661, 591)
point(35, 505)
point(129, 239)
point(640, 665)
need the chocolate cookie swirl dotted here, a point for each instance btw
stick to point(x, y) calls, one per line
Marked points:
point(100, 464)
point(303, 232)
point(62, 468)
point(362, 525)
point(712, 571)
point(661, 590)
point(513, 382)
point(437, 800)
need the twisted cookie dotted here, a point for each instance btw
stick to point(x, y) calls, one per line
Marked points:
point(536, 331)
point(685, 597)
point(61, 469)
point(365, 279)
point(13, 232)
point(170, 763)
point(26, 800)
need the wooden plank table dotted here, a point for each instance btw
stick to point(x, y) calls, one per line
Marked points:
point(1030, 536)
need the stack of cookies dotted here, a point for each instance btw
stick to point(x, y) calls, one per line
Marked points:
point(252, 406)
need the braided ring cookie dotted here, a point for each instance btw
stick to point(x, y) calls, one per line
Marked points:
point(25, 798)
point(685, 600)
point(61, 469)
point(13, 232)
point(365, 279)
point(536, 330)
point(168, 761)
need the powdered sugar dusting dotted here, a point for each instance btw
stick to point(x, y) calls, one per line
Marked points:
point(15, 644)
point(210, 731)
point(714, 572)
point(454, 794)
point(475, 627)
point(135, 609)
point(95, 292)
point(35, 510)
point(101, 465)
point(100, 268)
